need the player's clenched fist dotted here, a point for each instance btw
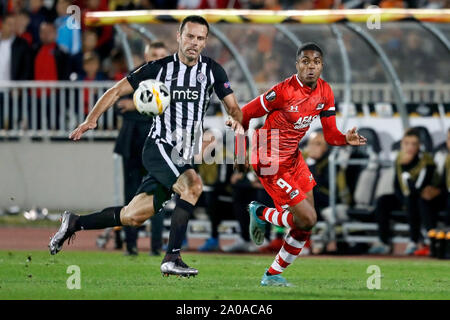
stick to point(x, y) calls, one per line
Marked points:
point(82, 128)
point(235, 125)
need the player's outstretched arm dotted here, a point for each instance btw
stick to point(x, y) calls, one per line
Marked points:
point(121, 88)
point(336, 138)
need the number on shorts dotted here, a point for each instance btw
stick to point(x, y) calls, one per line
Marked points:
point(283, 184)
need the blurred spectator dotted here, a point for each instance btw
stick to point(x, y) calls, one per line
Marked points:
point(269, 73)
point(443, 163)
point(436, 4)
point(220, 4)
point(38, 13)
point(418, 57)
point(68, 37)
point(89, 41)
point(147, 5)
point(124, 5)
point(22, 22)
point(50, 62)
point(188, 4)
point(440, 195)
point(118, 67)
point(323, 4)
point(256, 4)
point(16, 6)
point(216, 181)
point(91, 68)
point(91, 72)
point(105, 42)
point(155, 50)
point(164, 4)
point(316, 156)
point(243, 194)
point(16, 60)
point(297, 4)
point(415, 177)
point(392, 4)
point(272, 5)
point(445, 182)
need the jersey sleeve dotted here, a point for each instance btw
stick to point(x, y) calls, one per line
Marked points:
point(261, 105)
point(329, 109)
point(273, 98)
point(147, 71)
point(222, 86)
point(328, 119)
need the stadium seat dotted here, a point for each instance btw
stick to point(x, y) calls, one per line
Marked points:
point(364, 193)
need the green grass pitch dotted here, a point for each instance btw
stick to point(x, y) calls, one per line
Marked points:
point(109, 275)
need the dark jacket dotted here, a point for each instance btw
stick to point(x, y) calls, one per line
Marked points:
point(421, 172)
point(21, 60)
point(132, 135)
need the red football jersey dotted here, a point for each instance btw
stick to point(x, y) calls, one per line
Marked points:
point(291, 107)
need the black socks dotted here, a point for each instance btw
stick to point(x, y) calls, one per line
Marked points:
point(260, 211)
point(178, 225)
point(108, 217)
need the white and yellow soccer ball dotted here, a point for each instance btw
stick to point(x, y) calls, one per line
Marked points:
point(151, 98)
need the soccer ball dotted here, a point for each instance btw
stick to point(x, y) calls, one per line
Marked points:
point(151, 98)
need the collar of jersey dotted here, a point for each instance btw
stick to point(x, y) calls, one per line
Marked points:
point(177, 58)
point(305, 87)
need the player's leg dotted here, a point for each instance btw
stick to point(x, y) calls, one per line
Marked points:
point(132, 178)
point(302, 216)
point(293, 193)
point(188, 188)
point(134, 214)
point(305, 218)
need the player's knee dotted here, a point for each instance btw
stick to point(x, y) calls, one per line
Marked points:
point(310, 221)
point(196, 190)
point(135, 221)
point(131, 219)
point(306, 221)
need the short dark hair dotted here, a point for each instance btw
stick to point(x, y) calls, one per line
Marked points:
point(412, 132)
point(308, 46)
point(194, 19)
point(157, 45)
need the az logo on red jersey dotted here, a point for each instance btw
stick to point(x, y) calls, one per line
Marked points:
point(304, 122)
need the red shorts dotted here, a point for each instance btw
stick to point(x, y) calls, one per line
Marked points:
point(289, 185)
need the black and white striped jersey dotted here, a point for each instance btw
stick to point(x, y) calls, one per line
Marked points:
point(181, 124)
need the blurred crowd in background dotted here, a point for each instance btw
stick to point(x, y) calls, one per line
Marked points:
point(44, 47)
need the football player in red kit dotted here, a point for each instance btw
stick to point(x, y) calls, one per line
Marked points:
point(290, 106)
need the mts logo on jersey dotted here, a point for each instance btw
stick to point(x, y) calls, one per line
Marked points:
point(183, 94)
point(304, 122)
